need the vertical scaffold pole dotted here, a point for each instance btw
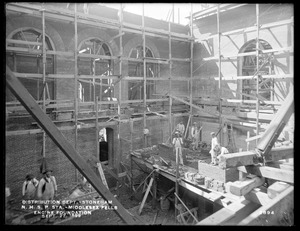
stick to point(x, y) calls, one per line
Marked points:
point(76, 81)
point(257, 68)
point(44, 77)
point(219, 72)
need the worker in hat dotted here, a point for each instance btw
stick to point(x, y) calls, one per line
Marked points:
point(193, 131)
point(177, 142)
point(29, 187)
point(47, 187)
point(181, 128)
point(214, 148)
point(197, 137)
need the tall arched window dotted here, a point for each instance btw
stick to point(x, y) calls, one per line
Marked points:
point(26, 62)
point(248, 68)
point(95, 66)
point(136, 69)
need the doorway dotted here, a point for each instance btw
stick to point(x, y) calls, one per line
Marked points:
point(106, 137)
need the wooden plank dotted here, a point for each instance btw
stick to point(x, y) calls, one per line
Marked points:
point(258, 196)
point(102, 174)
point(242, 213)
point(277, 124)
point(145, 196)
point(45, 122)
point(269, 172)
point(281, 164)
point(243, 77)
point(225, 214)
point(241, 188)
point(253, 138)
point(277, 188)
point(249, 157)
point(272, 213)
point(194, 106)
point(186, 208)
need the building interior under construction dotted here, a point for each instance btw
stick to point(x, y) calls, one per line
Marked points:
point(96, 94)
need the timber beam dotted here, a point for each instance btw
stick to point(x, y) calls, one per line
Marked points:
point(280, 211)
point(52, 131)
point(232, 214)
point(250, 157)
point(269, 172)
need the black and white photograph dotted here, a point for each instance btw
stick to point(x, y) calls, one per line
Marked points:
point(149, 114)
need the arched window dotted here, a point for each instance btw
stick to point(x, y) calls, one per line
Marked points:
point(136, 69)
point(248, 68)
point(95, 66)
point(22, 61)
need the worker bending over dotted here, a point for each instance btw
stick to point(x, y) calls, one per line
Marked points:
point(177, 142)
point(221, 152)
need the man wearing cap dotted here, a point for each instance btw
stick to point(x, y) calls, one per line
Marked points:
point(181, 128)
point(47, 187)
point(214, 148)
point(29, 187)
point(177, 142)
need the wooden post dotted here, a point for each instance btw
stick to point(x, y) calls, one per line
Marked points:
point(154, 189)
point(145, 196)
point(187, 125)
point(145, 74)
point(170, 83)
point(257, 68)
point(76, 81)
point(219, 73)
point(191, 61)
point(120, 91)
point(97, 131)
point(44, 78)
point(131, 174)
point(248, 143)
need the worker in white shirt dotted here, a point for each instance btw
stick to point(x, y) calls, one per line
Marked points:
point(214, 148)
point(193, 131)
point(147, 137)
point(47, 187)
point(222, 151)
point(177, 142)
point(181, 128)
point(29, 187)
point(197, 137)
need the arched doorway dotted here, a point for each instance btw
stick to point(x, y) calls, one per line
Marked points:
point(106, 140)
point(247, 66)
